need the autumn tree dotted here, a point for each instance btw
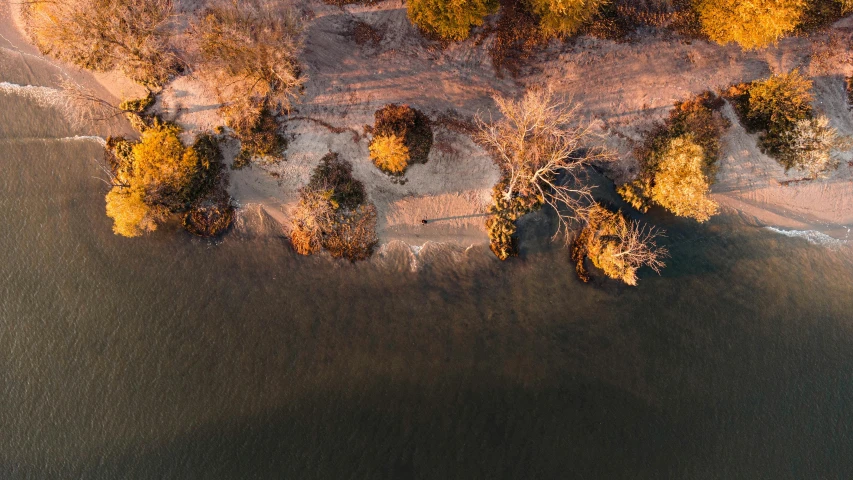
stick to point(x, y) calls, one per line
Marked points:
point(100, 35)
point(541, 147)
point(389, 154)
point(131, 215)
point(680, 184)
point(158, 175)
point(617, 246)
point(450, 19)
point(564, 17)
point(678, 160)
point(751, 24)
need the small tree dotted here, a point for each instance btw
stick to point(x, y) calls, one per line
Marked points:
point(450, 19)
point(541, 149)
point(752, 24)
point(389, 154)
point(164, 168)
point(680, 184)
point(100, 35)
point(813, 145)
point(617, 246)
point(564, 17)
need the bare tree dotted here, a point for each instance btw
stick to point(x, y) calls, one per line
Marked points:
point(542, 148)
point(248, 51)
point(131, 35)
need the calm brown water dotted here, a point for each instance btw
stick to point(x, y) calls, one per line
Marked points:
point(171, 357)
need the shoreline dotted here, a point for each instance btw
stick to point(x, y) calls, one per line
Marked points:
point(457, 180)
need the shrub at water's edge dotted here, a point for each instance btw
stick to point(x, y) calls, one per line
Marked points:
point(333, 213)
point(617, 246)
point(159, 175)
point(100, 35)
point(678, 160)
point(541, 148)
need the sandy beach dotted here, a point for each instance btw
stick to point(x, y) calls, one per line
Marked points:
point(622, 87)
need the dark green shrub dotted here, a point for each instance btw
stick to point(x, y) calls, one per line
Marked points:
point(336, 173)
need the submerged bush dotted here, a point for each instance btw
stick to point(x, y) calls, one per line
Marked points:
point(617, 246)
point(751, 24)
point(564, 17)
point(450, 19)
point(332, 213)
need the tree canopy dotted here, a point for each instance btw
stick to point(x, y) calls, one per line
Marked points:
point(450, 19)
point(751, 24)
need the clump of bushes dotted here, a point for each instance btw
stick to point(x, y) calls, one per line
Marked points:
point(779, 109)
point(450, 19)
point(333, 213)
point(617, 246)
point(259, 133)
point(505, 211)
point(100, 35)
point(560, 18)
point(159, 176)
point(848, 84)
point(402, 135)
point(678, 160)
point(753, 24)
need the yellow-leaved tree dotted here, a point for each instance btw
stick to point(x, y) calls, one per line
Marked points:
point(450, 19)
point(389, 153)
point(131, 215)
point(750, 23)
point(160, 174)
point(680, 184)
point(564, 17)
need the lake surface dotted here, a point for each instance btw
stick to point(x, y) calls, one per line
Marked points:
point(172, 357)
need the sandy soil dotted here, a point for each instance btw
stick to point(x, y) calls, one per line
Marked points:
point(622, 87)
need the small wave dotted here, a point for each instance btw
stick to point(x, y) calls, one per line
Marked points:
point(92, 138)
point(44, 96)
point(812, 236)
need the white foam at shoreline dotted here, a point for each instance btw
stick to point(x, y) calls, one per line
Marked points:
point(812, 236)
point(44, 96)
